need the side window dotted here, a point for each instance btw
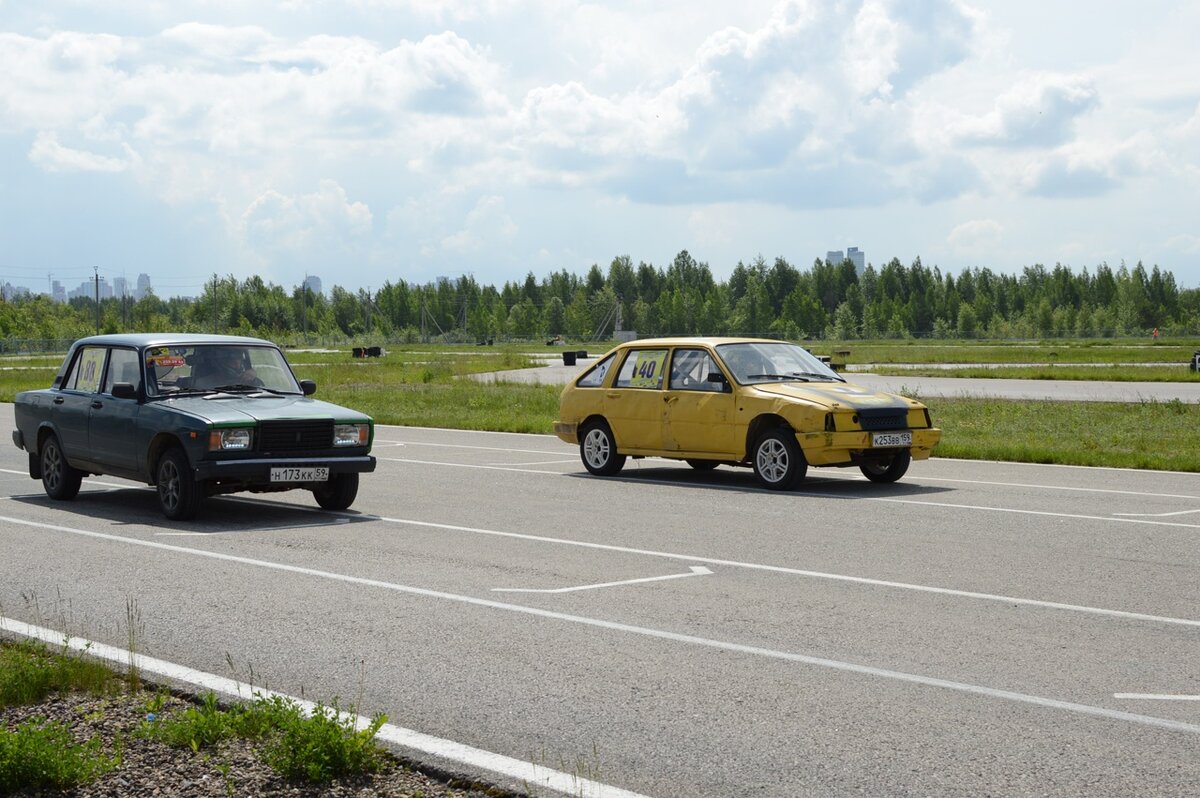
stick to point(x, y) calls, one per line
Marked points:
point(86, 370)
point(594, 378)
point(122, 367)
point(690, 369)
point(643, 368)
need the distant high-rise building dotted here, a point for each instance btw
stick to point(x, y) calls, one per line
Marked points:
point(120, 287)
point(143, 286)
point(57, 292)
point(858, 258)
point(852, 254)
point(313, 283)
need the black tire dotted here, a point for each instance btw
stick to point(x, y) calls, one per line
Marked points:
point(778, 462)
point(703, 465)
point(888, 470)
point(59, 478)
point(178, 492)
point(598, 450)
point(338, 493)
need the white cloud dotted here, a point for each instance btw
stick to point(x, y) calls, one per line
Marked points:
point(51, 156)
point(976, 237)
point(305, 224)
point(1039, 111)
point(488, 223)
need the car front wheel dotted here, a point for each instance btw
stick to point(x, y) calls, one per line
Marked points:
point(338, 493)
point(178, 492)
point(60, 480)
point(778, 462)
point(888, 470)
point(598, 449)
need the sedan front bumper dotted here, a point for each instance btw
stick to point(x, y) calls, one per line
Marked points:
point(259, 470)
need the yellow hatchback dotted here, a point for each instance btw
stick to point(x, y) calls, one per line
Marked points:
point(768, 405)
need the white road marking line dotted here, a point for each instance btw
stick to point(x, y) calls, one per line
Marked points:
point(528, 772)
point(754, 488)
point(696, 570)
point(539, 462)
point(860, 580)
point(1069, 488)
point(1156, 697)
point(659, 634)
point(468, 465)
point(1157, 515)
point(478, 448)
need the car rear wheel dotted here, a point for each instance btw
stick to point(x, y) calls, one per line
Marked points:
point(178, 493)
point(778, 462)
point(888, 470)
point(598, 450)
point(338, 493)
point(703, 465)
point(60, 480)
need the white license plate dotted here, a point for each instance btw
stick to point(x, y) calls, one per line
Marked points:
point(319, 474)
point(891, 439)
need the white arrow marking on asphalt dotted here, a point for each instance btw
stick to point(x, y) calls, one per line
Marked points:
point(695, 570)
point(1157, 697)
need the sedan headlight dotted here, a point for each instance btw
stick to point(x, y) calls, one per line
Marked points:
point(233, 439)
point(351, 434)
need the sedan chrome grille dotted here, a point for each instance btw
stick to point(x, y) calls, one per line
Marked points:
point(295, 436)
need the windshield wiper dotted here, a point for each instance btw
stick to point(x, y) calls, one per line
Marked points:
point(238, 387)
point(817, 376)
point(185, 392)
point(792, 376)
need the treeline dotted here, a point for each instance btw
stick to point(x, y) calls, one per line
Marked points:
point(828, 300)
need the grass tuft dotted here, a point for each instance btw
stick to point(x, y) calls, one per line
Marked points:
point(39, 754)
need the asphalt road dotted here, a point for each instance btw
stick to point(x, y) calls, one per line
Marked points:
point(976, 629)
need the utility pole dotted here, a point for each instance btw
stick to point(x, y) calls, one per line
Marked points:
point(97, 270)
point(214, 303)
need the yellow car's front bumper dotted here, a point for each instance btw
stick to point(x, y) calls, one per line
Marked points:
point(835, 448)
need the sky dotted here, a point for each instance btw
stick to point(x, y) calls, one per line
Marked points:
point(373, 141)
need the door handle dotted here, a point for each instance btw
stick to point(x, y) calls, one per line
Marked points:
point(58, 400)
point(97, 404)
point(612, 395)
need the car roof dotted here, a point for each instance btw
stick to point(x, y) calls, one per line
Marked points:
point(692, 340)
point(142, 340)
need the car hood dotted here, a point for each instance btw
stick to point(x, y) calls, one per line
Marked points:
point(827, 394)
point(239, 408)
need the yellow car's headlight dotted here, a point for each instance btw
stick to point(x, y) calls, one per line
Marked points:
point(234, 439)
point(351, 434)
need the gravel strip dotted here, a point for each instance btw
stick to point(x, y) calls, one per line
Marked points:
point(150, 769)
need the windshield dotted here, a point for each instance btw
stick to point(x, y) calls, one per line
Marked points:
point(774, 362)
point(205, 368)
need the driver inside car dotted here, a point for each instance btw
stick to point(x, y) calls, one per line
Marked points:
point(228, 366)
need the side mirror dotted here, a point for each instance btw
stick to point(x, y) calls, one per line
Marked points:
point(124, 390)
point(308, 387)
point(719, 378)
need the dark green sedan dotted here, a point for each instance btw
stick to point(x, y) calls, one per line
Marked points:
point(194, 416)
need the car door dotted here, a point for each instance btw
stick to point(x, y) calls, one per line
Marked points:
point(112, 433)
point(699, 413)
point(73, 402)
point(634, 403)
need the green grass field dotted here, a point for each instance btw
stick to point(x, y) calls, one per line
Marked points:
point(428, 386)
